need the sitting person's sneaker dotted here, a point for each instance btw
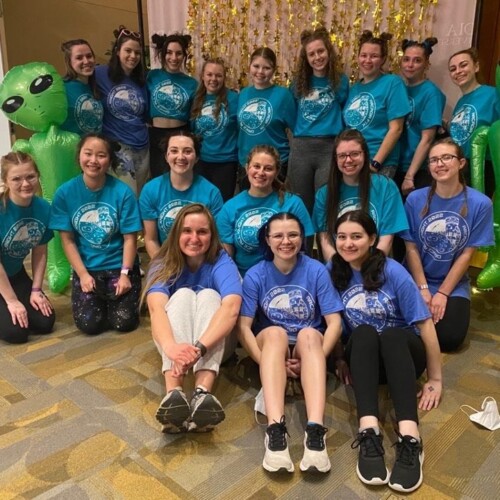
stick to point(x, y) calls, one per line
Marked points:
point(206, 411)
point(407, 474)
point(173, 412)
point(277, 456)
point(371, 467)
point(315, 454)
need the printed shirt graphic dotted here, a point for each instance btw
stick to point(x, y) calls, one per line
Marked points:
point(21, 229)
point(85, 113)
point(255, 115)
point(97, 223)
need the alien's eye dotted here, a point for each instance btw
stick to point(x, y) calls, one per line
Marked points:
point(12, 104)
point(40, 84)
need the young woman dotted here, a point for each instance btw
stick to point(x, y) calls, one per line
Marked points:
point(351, 186)
point(85, 112)
point(241, 217)
point(289, 324)
point(123, 93)
point(171, 94)
point(265, 110)
point(377, 104)
point(320, 92)
point(163, 197)
point(448, 221)
point(391, 341)
point(24, 221)
point(427, 106)
point(194, 295)
point(213, 118)
point(479, 105)
point(98, 219)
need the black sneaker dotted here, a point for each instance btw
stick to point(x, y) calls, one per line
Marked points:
point(407, 475)
point(173, 412)
point(277, 456)
point(315, 454)
point(371, 467)
point(206, 411)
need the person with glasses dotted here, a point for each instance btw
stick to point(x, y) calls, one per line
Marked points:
point(85, 111)
point(448, 221)
point(351, 186)
point(289, 323)
point(121, 84)
point(378, 104)
point(24, 229)
point(171, 93)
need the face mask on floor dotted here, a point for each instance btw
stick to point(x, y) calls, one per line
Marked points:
point(489, 417)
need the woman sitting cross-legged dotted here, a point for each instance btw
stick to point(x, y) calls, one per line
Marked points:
point(193, 293)
point(392, 340)
point(289, 324)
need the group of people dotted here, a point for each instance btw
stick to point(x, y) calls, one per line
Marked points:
point(227, 267)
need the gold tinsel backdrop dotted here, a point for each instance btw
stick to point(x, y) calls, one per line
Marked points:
point(232, 29)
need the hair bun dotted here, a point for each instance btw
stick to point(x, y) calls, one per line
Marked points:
point(386, 36)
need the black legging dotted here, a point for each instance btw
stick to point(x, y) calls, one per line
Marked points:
point(21, 283)
point(400, 361)
point(223, 175)
point(452, 329)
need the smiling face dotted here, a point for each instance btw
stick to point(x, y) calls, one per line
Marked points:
point(284, 239)
point(129, 55)
point(463, 71)
point(370, 60)
point(22, 183)
point(181, 154)
point(213, 77)
point(353, 243)
point(351, 165)
point(444, 163)
point(195, 238)
point(94, 160)
point(414, 64)
point(174, 57)
point(82, 61)
point(261, 171)
point(261, 71)
point(317, 57)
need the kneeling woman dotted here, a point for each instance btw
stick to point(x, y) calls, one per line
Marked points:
point(385, 313)
point(194, 296)
point(291, 303)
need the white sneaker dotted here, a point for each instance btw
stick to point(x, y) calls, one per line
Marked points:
point(315, 454)
point(277, 456)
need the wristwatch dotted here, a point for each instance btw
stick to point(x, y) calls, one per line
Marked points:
point(125, 271)
point(201, 347)
point(376, 165)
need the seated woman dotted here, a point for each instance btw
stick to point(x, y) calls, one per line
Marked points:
point(448, 221)
point(98, 218)
point(24, 220)
point(289, 324)
point(193, 293)
point(241, 217)
point(385, 314)
point(164, 196)
point(351, 186)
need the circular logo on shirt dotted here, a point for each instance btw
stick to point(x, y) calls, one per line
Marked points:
point(88, 113)
point(125, 103)
point(318, 102)
point(443, 234)
point(411, 114)
point(360, 111)
point(22, 237)
point(169, 97)
point(207, 125)
point(463, 124)
point(96, 222)
point(255, 116)
point(363, 307)
point(168, 213)
point(248, 225)
point(350, 204)
point(290, 306)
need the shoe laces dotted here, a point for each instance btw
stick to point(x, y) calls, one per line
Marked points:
point(315, 437)
point(277, 433)
point(407, 450)
point(370, 443)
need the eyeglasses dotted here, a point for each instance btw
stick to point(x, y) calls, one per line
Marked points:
point(18, 179)
point(278, 237)
point(444, 159)
point(353, 155)
point(125, 32)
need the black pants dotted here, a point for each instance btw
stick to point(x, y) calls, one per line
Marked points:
point(222, 175)
point(157, 147)
point(452, 329)
point(400, 361)
point(102, 310)
point(21, 283)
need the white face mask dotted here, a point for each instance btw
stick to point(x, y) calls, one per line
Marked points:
point(489, 417)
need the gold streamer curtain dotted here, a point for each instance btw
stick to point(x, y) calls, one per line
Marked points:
point(232, 29)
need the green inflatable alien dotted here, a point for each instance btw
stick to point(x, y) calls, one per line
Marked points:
point(33, 95)
point(483, 138)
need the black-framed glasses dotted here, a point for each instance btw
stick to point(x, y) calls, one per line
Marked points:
point(353, 155)
point(444, 159)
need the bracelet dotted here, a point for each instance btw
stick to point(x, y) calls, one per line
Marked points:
point(442, 293)
point(33, 290)
point(409, 179)
point(201, 347)
point(423, 287)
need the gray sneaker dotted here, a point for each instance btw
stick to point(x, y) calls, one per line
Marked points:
point(277, 456)
point(173, 412)
point(315, 454)
point(206, 411)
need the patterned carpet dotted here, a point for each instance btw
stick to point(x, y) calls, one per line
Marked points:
point(77, 422)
